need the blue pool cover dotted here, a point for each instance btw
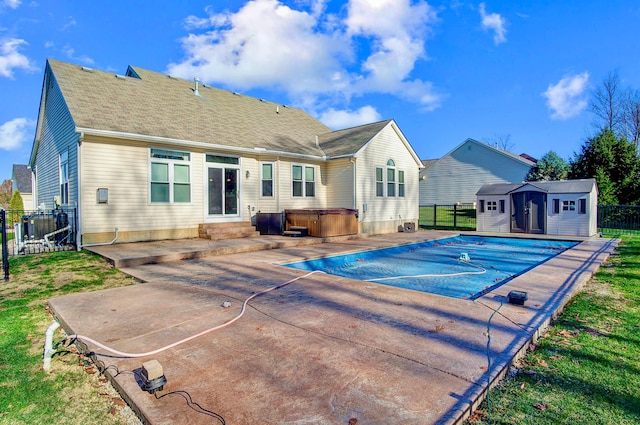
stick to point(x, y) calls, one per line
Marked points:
point(460, 266)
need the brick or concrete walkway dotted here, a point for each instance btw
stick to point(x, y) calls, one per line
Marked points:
point(321, 350)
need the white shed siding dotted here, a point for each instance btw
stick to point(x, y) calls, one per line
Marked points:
point(386, 214)
point(493, 221)
point(571, 223)
point(57, 135)
point(340, 183)
point(457, 176)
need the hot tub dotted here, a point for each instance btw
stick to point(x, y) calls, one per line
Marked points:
point(324, 222)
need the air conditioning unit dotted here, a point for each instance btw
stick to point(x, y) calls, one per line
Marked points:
point(409, 227)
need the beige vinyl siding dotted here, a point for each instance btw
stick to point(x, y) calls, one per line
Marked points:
point(385, 214)
point(57, 135)
point(287, 200)
point(124, 171)
point(340, 183)
point(457, 177)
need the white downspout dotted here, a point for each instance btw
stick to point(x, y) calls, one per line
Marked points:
point(78, 216)
point(355, 186)
point(48, 346)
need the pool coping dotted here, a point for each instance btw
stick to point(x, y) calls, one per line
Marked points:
point(181, 278)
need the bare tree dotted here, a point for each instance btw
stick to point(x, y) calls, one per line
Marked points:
point(501, 141)
point(6, 190)
point(632, 116)
point(607, 102)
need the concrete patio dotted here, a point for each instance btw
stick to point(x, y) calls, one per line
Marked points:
point(320, 350)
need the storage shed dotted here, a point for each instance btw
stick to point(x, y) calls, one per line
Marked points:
point(563, 207)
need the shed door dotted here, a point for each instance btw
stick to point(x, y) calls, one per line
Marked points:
point(528, 212)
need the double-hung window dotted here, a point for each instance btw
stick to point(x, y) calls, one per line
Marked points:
point(391, 179)
point(401, 183)
point(170, 176)
point(303, 181)
point(379, 181)
point(64, 178)
point(266, 178)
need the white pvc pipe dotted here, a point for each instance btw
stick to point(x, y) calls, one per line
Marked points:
point(150, 353)
point(48, 346)
point(103, 243)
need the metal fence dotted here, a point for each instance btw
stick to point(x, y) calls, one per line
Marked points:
point(33, 232)
point(619, 219)
point(448, 217)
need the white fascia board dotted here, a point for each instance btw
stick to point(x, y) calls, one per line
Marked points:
point(192, 144)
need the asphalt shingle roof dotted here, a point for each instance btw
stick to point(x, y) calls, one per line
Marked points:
point(558, 186)
point(163, 106)
point(22, 177)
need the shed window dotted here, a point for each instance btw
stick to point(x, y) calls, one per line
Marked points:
point(556, 206)
point(170, 176)
point(481, 206)
point(568, 205)
point(501, 206)
point(582, 206)
point(492, 206)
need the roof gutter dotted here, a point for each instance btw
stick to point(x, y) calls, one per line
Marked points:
point(190, 143)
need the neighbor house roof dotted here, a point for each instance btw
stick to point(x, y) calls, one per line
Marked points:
point(157, 105)
point(557, 186)
point(21, 176)
point(506, 154)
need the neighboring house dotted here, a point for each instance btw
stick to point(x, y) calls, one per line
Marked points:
point(21, 180)
point(456, 177)
point(156, 156)
point(563, 207)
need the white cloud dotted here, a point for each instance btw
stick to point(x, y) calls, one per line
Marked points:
point(338, 119)
point(71, 54)
point(13, 4)
point(566, 99)
point(16, 132)
point(71, 22)
point(11, 58)
point(494, 22)
point(312, 55)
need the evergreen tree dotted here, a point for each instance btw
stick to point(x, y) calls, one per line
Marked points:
point(613, 162)
point(549, 167)
point(16, 207)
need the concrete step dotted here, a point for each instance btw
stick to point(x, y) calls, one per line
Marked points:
point(232, 230)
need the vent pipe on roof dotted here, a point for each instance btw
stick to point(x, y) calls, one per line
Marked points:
point(195, 90)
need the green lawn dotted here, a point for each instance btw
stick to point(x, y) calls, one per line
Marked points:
point(73, 393)
point(446, 218)
point(586, 369)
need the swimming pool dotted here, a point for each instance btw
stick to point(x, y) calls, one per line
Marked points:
point(459, 266)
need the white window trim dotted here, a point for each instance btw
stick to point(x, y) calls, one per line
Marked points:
point(171, 181)
point(63, 159)
point(273, 180)
point(304, 180)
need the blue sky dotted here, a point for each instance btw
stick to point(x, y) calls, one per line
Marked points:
point(444, 70)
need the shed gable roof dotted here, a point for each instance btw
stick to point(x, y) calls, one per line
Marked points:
point(557, 186)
